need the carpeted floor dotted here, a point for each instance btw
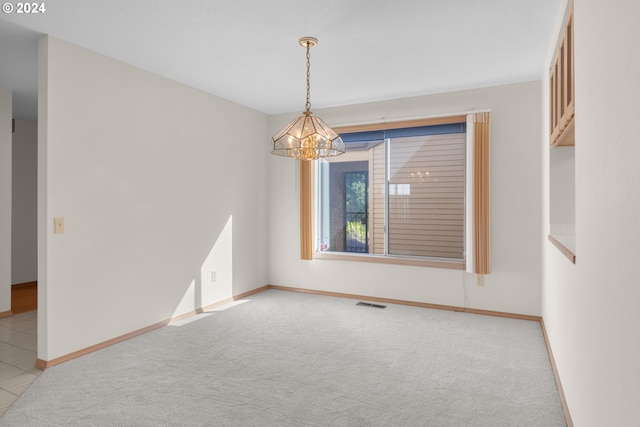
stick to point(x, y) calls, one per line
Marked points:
point(290, 359)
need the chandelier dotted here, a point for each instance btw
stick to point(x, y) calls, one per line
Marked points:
point(307, 137)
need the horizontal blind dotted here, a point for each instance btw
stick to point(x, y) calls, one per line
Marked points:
point(426, 196)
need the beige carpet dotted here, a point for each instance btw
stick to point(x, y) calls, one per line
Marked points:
point(290, 359)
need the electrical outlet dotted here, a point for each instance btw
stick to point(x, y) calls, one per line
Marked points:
point(214, 276)
point(480, 280)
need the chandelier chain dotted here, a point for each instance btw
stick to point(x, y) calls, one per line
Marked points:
point(308, 104)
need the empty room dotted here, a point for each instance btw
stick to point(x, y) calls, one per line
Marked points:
point(420, 212)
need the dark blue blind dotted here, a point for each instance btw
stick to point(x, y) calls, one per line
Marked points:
point(378, 135)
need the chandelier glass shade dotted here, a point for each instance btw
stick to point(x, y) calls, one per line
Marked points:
point(307, 137)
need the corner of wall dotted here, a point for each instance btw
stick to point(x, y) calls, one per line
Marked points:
point(6, 113)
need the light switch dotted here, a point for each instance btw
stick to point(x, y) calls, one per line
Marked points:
point(58, 225)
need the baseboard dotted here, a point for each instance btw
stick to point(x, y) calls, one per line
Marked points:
point(539, 319)
point(4, 314)
point(411, 303)
point(563, 400)
point(237, 297)
point(44, 364)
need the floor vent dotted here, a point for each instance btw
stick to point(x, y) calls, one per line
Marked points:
point(368, 304)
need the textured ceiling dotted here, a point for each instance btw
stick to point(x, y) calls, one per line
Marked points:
point(247, 50)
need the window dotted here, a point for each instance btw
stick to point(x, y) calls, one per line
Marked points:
point(414, 204)
point(411, 193)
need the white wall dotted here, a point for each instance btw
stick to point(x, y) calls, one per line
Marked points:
point(5, 199)
point(592, 310)
point(157, 182)
point(562, 191)
point(24, 236)
point(514, 284)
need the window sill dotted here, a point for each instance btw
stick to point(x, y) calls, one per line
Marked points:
point(565, 244)
point(380, 259)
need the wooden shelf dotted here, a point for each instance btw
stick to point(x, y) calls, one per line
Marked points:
point(563, 246)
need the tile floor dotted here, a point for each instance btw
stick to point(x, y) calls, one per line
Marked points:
point(18, 344)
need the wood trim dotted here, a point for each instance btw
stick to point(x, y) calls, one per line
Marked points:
point(402, 124)
point(568, 136)
point(25, 284)
point(562, 86)
point(232, 299)
point(387, 259)
point(24, 297)
point(4, 314)
point(251, 292)
point(306, 211)
point(44, 364)
point(217, 304)
point(565, 251)
point(482, 193)
point(410, 303)
point(539, 319)
point(556, 375)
